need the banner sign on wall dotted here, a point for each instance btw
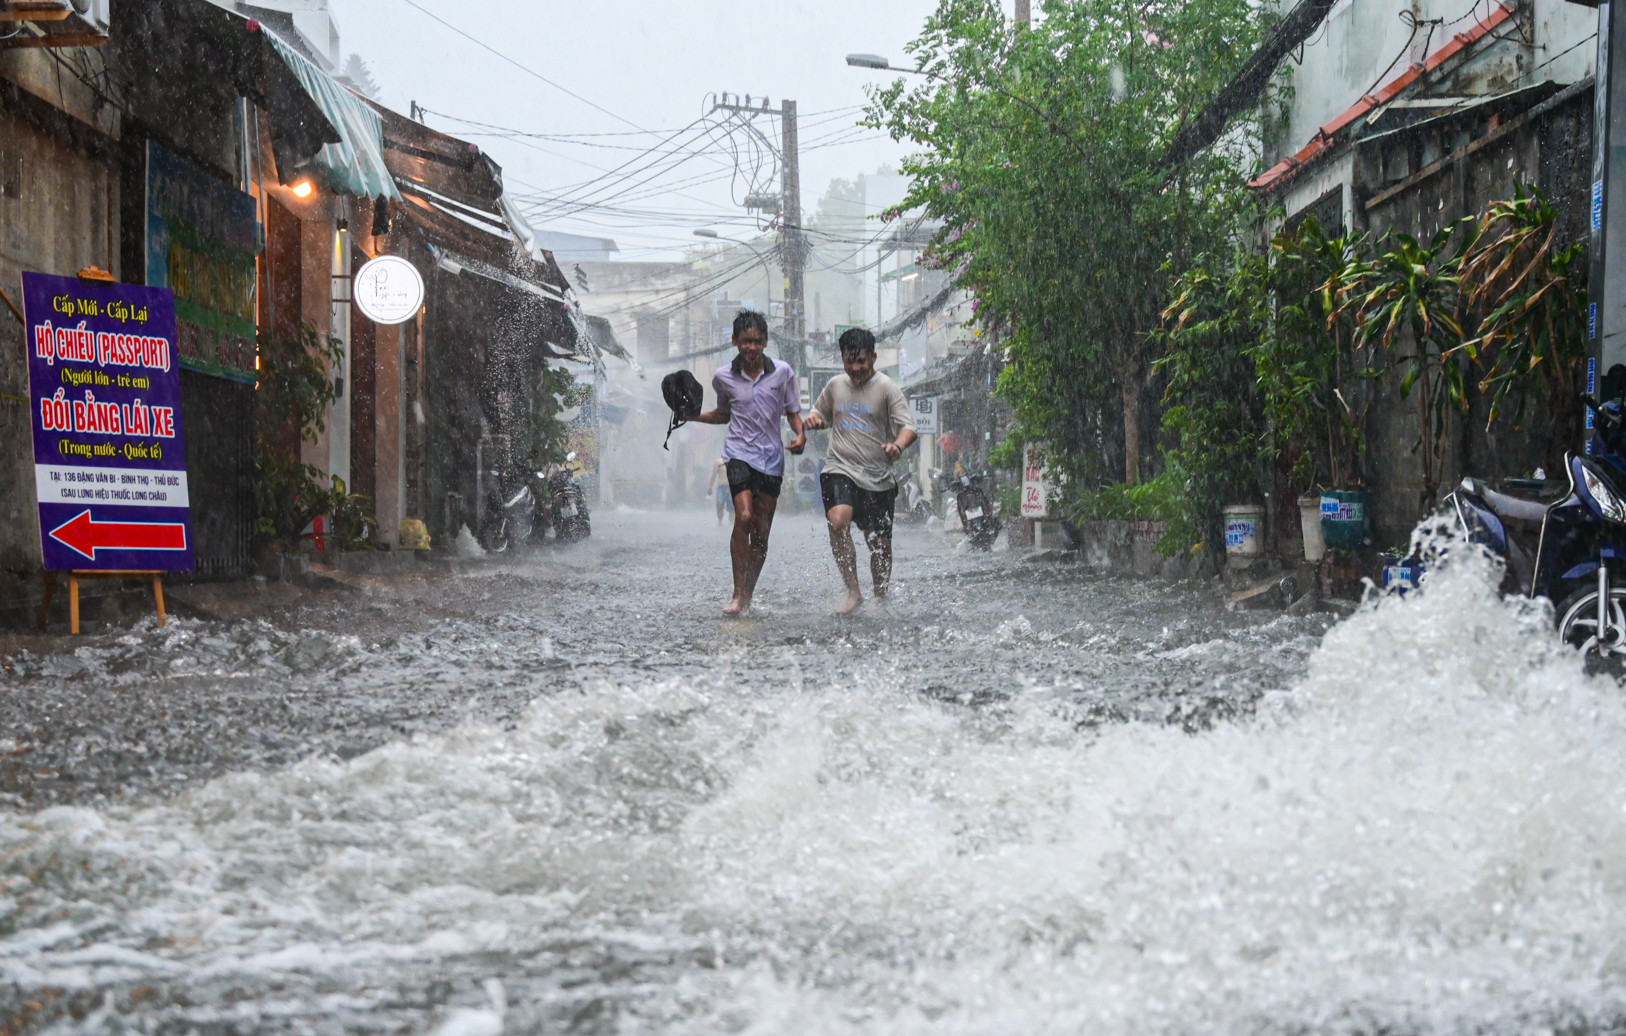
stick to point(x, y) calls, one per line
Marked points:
point(924, 411)
point(203, 237)
point(104, 392)
point(1035, 487)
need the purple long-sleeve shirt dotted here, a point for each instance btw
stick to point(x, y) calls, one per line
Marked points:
point(754, 407)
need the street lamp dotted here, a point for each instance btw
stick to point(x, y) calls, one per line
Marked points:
point(876, 61)
point(767, 274)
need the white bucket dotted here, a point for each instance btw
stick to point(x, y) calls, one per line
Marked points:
point(1243, 523)
point(1315, 547)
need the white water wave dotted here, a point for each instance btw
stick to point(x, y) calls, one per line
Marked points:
point(1426, 833)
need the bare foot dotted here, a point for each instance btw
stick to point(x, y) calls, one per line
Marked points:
point(852, 601)
point(736, 606)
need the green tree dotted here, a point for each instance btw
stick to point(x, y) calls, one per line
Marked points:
point(1215, 417)
point(1039, 152)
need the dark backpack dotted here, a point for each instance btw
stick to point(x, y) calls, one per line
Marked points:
point(685, 397)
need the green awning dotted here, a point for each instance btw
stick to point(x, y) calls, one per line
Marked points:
point(354, 165)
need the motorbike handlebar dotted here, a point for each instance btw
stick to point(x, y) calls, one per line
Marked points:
point(1611, 416)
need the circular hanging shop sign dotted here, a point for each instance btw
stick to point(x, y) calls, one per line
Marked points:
point(389, 290)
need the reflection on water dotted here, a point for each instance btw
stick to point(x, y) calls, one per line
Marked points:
point(1018, 801)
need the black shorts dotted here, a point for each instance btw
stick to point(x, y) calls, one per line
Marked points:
point(742, 476)
point(872, 508)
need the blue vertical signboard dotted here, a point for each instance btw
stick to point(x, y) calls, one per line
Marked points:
point(104, 391)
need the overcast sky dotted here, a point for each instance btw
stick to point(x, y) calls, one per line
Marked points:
point(637, 65)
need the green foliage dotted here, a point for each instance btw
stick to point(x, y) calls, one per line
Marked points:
point(1038, 152)
point(556, 393)
point(1274, 358)
point(1408, 299)
point(287, 495)
point(1311, 364)
point(1489, 307)
point(1159, 499)
point(351, 525)
point(1165, 498)
point(294, 389)
point(292, 396)
point(1009, 497)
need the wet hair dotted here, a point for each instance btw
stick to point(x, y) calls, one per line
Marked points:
point(857, 340)
point(750, 320)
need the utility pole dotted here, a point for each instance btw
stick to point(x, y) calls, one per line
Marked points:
point(1606, 283)
point(794, 245)
point(792, 242)
point(1023, 15)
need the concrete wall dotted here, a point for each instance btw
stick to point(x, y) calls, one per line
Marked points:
point(1361, 46)
point(1129, 548)
point(1551, 148)
point(59, 205)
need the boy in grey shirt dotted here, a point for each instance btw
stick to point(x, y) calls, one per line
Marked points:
point(870, 427)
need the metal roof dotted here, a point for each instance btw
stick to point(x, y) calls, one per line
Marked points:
point(1327, 136)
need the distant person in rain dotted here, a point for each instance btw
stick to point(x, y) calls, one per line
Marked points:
point(870, 427)
point(719, 486)
point(753, 393)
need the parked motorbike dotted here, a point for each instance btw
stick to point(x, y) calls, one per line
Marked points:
point(910, 504)
point(508, 513)
point(971, 501)
point(566, 512)
point(1560, 538)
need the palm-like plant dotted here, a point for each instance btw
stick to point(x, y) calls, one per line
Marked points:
point(1530, 295)
point(1410, 298)
point(1308, 357)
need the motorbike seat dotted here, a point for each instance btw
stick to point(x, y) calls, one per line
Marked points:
point(1535, 488)
point(1512, 507)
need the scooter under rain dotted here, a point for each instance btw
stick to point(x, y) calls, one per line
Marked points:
point(1561, 538)
point(977, 514)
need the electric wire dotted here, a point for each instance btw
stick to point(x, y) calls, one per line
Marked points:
point(528, 71)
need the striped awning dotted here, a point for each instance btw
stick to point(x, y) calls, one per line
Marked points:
point(355, 164)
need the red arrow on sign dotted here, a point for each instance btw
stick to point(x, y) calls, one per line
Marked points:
point(84, 535)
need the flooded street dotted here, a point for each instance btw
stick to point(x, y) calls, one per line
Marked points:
point(1018, 798)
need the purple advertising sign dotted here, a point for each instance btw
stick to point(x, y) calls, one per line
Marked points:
point(104, 390)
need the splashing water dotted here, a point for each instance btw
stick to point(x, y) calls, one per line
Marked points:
point(1427, 833)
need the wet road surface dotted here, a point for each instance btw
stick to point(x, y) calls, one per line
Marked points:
point(564, 792)
point(131, 714)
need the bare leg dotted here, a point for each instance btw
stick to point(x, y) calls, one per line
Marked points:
point(841, 545)
point(880, 560)
point(764, 507)
point(739, 552)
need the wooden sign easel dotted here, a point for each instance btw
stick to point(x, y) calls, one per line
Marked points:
point(73, 592)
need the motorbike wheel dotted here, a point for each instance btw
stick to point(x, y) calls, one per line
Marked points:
point(920, 512)
point(495, 537)
point(1578, 623)
point(982, 533)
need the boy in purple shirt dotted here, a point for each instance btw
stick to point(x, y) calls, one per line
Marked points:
point(752, 393)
